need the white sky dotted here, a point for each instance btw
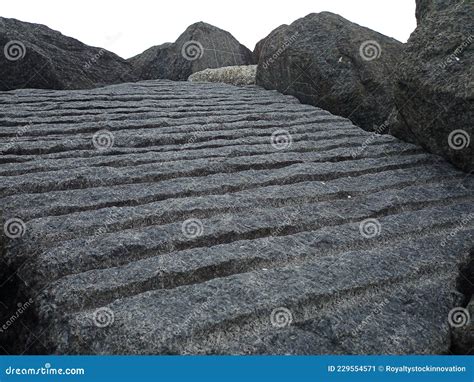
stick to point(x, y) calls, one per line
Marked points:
point(128, 27)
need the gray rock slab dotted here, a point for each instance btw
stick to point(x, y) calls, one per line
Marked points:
point(176, 217)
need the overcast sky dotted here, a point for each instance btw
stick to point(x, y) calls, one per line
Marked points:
point(128, 27)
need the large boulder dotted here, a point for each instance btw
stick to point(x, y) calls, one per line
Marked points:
point(330, 62)
point(435, 92)
point(201, 46)
point(35, 56)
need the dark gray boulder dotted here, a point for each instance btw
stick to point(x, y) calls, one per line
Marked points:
point(35, 56)
point(201, 46)
point(330, 62)
point(435, 92)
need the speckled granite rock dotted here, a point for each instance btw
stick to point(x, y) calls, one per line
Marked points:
point(201, 46)
point(330, 62)
point(424, 8)
point(234, 75)
point(435, 93)
point(177, 217)
point(34, 56)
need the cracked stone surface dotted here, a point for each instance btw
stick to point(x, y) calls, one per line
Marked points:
point(169, 217)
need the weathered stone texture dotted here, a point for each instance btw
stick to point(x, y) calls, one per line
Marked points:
point(162, 217)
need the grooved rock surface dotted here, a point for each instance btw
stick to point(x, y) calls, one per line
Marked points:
point(175, 217)
point(234, 75)
point(435, 89)
point(201, 46)
point(35, 56)
point(327, 61)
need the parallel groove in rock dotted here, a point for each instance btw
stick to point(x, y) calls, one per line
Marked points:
point(253, 305)
point(91, 177)
point(119, 248)
point(100, 287)
point(171, 156)
point(64, 202)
